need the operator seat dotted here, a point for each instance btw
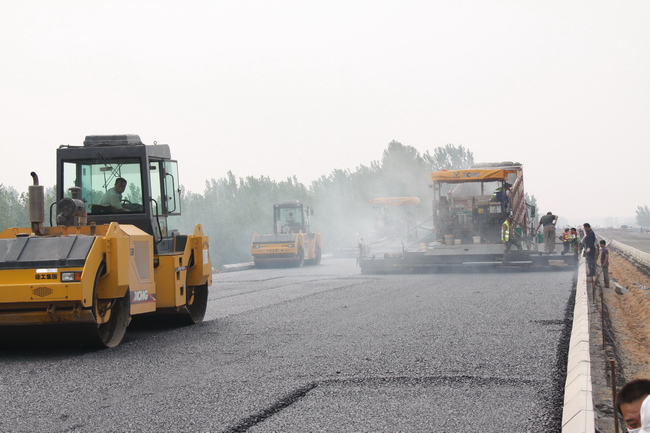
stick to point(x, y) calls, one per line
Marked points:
point(98, 209)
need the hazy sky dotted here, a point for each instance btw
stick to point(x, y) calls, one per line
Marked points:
point(278, 88)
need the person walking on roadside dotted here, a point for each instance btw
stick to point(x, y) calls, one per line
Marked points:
point(604, 262)
point(629, 400)
point(548, 221)
point(590, 249)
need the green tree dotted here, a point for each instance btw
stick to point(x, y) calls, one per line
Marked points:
point(340, 205)
point(232, 209)
point(643, 216)
point(449, 157)
point(13, 208)
point(403, 172)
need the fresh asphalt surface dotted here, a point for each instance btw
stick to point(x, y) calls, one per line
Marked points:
point(319, 348)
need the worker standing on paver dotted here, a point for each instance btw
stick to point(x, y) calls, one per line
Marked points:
point(548, 221)
point(576, 241)
point(502, 195)
point(508, 235)
point(565, 237)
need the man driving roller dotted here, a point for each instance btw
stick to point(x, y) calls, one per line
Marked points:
point(113, 197)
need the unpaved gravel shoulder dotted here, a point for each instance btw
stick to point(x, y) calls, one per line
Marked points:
point(627, 334)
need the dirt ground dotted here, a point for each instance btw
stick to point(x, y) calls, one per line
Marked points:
point(629, 313)
point(627, 334)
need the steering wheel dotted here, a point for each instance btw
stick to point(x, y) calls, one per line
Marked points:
point(126, 202)
point(286, 229)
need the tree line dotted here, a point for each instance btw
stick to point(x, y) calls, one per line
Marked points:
point(643, 216)
point(231, 209)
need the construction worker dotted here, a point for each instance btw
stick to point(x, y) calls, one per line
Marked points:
point(508, 234)
point(548, 221)
point(589, 242)
point(113, 197)
point(565, 237)
point(604, 262)
point(575, 241)
point(629, 400)
point(502, 195)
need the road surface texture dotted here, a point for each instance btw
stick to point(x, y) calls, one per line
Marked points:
point(626, 334)
point(319, 348)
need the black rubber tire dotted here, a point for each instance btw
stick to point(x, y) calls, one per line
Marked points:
point(317, 260)
point(301, 258)
point(197, 304)
point(317, 257)
point(111, 333)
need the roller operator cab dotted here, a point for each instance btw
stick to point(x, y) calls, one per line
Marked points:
point(112, 249)
point(293, 243)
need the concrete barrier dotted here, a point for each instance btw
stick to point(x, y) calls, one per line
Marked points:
point(578, 412)
point(639, 256)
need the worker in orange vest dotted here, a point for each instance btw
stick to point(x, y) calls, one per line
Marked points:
point(565, 237)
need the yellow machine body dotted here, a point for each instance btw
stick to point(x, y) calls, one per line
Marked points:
point(286, 249)
point(112, 253)
point(125, 256)
point(292, 242)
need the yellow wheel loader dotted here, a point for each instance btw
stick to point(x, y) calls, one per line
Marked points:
point(113, 250)
point(292, 242)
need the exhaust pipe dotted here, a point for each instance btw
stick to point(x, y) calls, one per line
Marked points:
point(37, 207)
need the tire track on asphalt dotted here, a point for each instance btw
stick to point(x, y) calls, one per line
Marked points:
point(301, 392)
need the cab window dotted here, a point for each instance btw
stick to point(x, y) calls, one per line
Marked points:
point(97, 180)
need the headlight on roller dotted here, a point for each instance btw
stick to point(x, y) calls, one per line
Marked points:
point(71, 277)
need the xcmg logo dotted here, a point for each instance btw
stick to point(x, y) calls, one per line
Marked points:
point(140, 296)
